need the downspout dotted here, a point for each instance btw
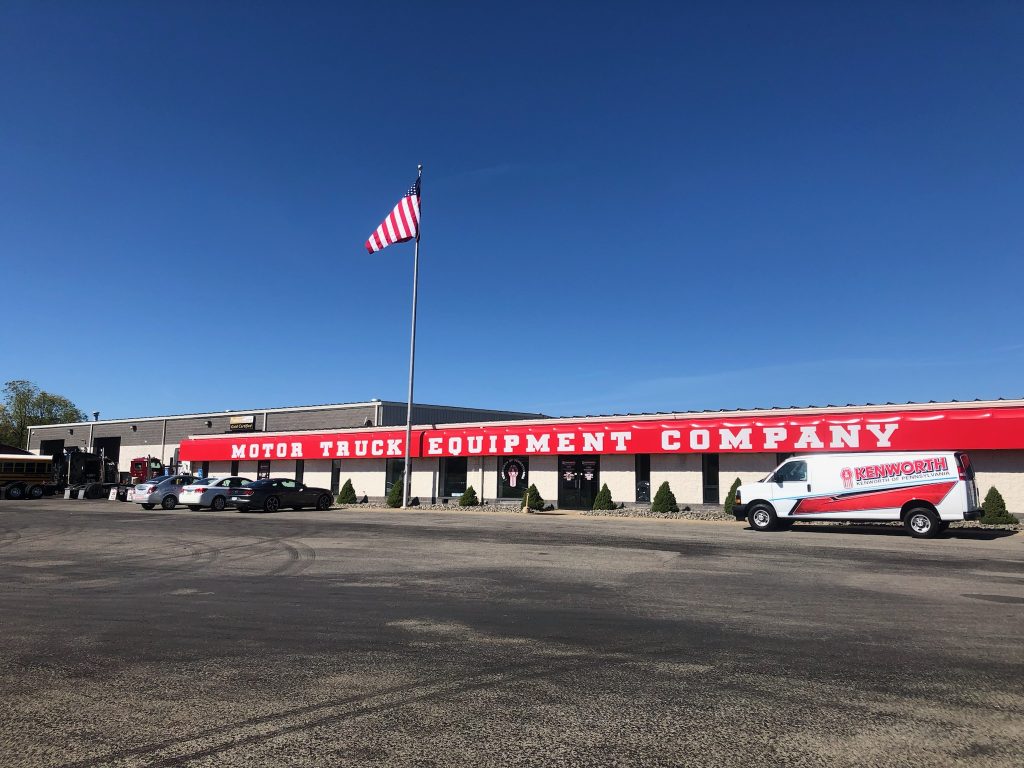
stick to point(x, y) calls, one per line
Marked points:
point(90, 435)
point(163, 441)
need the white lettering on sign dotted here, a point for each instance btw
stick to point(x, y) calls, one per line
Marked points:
point(732, 441)
point(394, 446)
point(566, 443)
point(377, 448)
point(434, 446)
point(282, 450)
point(362, 446)
point(809, 438)
point(883, 433)
point(620, 439)
point(593, 441)
point(700, 439)
point(237, 451)
point(254, 451)
point(772, 436)
point(670, 440)
point(538, 443)
point(326, 448)
point(454, 446)
point(342, 448)
point(845, 436)
point(492, 443)
point(511, 443)
point(475, 443)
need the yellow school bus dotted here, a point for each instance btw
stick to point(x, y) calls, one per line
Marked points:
point(24, 475)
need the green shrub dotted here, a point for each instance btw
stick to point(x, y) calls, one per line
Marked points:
point(730, 497)
point(995, 509)
point(347, 494)
point(603, 500)
point(664, 500)
point(532, 499)
point(468, 498)
point(394, 499)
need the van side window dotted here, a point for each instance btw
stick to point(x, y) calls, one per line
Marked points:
point(794, 471)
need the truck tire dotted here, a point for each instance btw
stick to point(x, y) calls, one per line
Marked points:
point(170, 501)
point(922, 523)
point(15, 491)
point(761, 517)
point(35, 492)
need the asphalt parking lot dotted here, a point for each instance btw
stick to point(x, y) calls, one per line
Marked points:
point(385, 638)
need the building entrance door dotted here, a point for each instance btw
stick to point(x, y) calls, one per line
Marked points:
point(578, 481)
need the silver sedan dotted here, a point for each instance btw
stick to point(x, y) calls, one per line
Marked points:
point(211, 492)
point(160, 490)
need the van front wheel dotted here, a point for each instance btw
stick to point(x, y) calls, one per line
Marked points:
point(922, 523)
point(763, 518)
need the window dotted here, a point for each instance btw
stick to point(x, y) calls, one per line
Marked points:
point(263, 470)
point(19, 467)
point(709, 473)
point(513, 476)
point(7, 467)
point(300, 470)
point(453, 473)
point(335, 476)
point(792, 472)
point(643, 477)
point(394, 470)
point(234, 467)
point(288, 485)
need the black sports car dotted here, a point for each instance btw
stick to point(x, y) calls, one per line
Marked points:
point(272, 494)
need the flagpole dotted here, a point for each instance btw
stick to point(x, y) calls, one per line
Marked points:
point(407, 473)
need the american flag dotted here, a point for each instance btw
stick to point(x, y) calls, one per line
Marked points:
point(403, 223)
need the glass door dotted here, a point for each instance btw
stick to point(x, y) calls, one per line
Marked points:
point(578, 481)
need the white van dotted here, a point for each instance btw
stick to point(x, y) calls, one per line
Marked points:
point(926, 490)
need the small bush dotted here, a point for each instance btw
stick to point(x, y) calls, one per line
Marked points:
point(347, 494)
point(532, 499)
point(995, 509)
point(468, 498)
point(394, 499)
point(664, 500)
point(603, 500)
point(730, 498)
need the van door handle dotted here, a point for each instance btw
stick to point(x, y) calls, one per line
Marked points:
point(808, 487)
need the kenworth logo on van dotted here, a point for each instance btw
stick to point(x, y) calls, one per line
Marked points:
point(902, 468)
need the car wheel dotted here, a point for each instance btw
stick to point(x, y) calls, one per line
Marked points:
point(272, 504)
point(147, 506)
point(194, 507)
point(35, 492)
point(922, 523)
point(15, 492)
point(762, 518)
point(218, 503)
point(170, 501)
point(324, 502)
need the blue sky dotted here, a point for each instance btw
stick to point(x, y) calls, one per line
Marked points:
point(626, 206)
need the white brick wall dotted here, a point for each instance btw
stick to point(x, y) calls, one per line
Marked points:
point(619, 472)
point(1005, 471)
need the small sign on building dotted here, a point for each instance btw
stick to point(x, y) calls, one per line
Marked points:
point(242, 424)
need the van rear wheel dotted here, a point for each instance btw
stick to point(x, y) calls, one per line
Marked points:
point(922, 523)
point(763, 518)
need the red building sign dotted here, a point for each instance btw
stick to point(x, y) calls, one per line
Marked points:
point(824, 431)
